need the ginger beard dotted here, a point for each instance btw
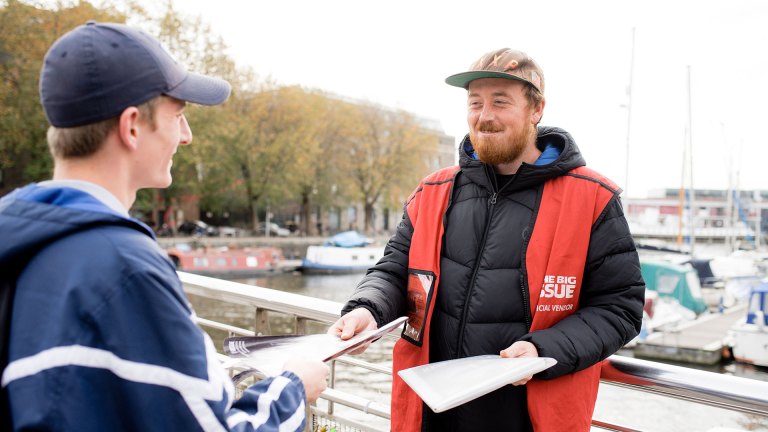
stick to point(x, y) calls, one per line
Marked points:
point(494, 147)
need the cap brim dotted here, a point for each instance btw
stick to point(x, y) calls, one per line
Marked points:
point(201, 89)
point(463, 79)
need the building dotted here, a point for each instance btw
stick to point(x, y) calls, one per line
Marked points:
point(735, 218)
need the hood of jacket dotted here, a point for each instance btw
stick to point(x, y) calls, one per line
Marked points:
point(528, 175)
point(34, 216)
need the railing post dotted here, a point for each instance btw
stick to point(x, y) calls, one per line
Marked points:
point(308, 416)
point(262, 322)
point(332, 384)
point(301, 325)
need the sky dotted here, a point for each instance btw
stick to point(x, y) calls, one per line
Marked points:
point(397, 53)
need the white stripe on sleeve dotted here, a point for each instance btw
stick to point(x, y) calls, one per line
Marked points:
point(195, 391)
point(264, 404)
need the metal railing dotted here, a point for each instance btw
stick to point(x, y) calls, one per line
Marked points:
point(717, 390)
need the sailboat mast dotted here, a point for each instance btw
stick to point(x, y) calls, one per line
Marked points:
point(689, 197)
point(681, 196)
point(692, 197)
point(629, 110)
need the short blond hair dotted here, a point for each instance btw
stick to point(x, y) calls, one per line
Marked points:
point(84, 141)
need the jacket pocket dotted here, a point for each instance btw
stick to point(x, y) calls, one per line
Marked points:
point(421, 284)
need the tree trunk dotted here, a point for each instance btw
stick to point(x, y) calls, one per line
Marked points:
point(245, 171)
point(319, 221)
point(157, 219)
point(255, 215)
point(305, 216)
point(369, 229)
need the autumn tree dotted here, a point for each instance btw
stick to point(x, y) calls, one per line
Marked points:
point(268, 145)
point(318, 166)
point(268, 132)
point(29, 30)
point(193, 45)
point(385, 149)
point(27, 33)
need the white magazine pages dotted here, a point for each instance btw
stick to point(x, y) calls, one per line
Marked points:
point(267, 354)
point(447, 384)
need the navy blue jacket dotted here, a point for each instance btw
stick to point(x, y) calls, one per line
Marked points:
point(102, 337)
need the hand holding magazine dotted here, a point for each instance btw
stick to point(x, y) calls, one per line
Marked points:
point(267, 354)
point(447, 384)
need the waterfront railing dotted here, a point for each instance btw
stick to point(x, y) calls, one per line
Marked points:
point(728, 392)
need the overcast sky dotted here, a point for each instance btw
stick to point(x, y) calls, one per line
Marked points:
point(398, 53)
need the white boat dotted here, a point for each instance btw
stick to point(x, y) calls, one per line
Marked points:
point(749, 336)
point(345, 252)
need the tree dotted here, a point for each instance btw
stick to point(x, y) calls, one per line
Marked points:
point(267, 146)
point(191, 43)
point(387, 149)
point(27, 33)
point(266, 134)
point(318, 164)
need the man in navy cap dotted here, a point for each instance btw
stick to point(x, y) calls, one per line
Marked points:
point(101, 337)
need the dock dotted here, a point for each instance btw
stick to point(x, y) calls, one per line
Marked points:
point(700, 341)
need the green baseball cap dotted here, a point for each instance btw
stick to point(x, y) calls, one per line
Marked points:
point(503, 63)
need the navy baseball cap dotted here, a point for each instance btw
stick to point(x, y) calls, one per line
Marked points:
point(97, 70)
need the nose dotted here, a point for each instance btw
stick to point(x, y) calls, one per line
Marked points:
point(481, 114)
point(186, 132)
point(486, 113)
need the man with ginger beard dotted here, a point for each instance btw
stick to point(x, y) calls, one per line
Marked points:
point(520, 251)
point(497, 140)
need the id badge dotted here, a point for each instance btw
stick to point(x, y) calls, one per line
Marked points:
point(420, 289)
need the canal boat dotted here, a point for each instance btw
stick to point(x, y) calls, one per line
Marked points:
point(346, 252)
point(749, 335)
point(224, 261)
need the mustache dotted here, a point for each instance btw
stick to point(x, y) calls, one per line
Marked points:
point(489, 127)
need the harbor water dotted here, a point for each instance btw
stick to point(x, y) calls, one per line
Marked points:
point(629, 408)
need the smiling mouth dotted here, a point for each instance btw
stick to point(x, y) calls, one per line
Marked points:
point(488, 128)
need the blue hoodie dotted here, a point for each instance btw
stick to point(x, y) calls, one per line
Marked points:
point(102, 337)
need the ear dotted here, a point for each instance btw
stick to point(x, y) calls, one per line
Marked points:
point(129, 128)
point(538, 112)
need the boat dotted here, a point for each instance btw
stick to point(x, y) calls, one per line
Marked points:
point(725, 279)
point(665, 313)
point(224, 261)
point(345, 252)
point(749, 336)
point(674, 281)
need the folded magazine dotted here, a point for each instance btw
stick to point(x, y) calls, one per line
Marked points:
point(447, 384)
point(267, 354)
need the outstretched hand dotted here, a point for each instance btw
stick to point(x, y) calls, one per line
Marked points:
point(313, 374)
point(358, 320)
point(520, 349)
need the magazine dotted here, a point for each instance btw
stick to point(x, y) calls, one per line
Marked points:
point(267, 354)
point(447, 384)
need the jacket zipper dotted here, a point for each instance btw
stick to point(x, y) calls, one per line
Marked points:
point(524, 273)
point(465, 309)
point(524, 288)
point(491, 203)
